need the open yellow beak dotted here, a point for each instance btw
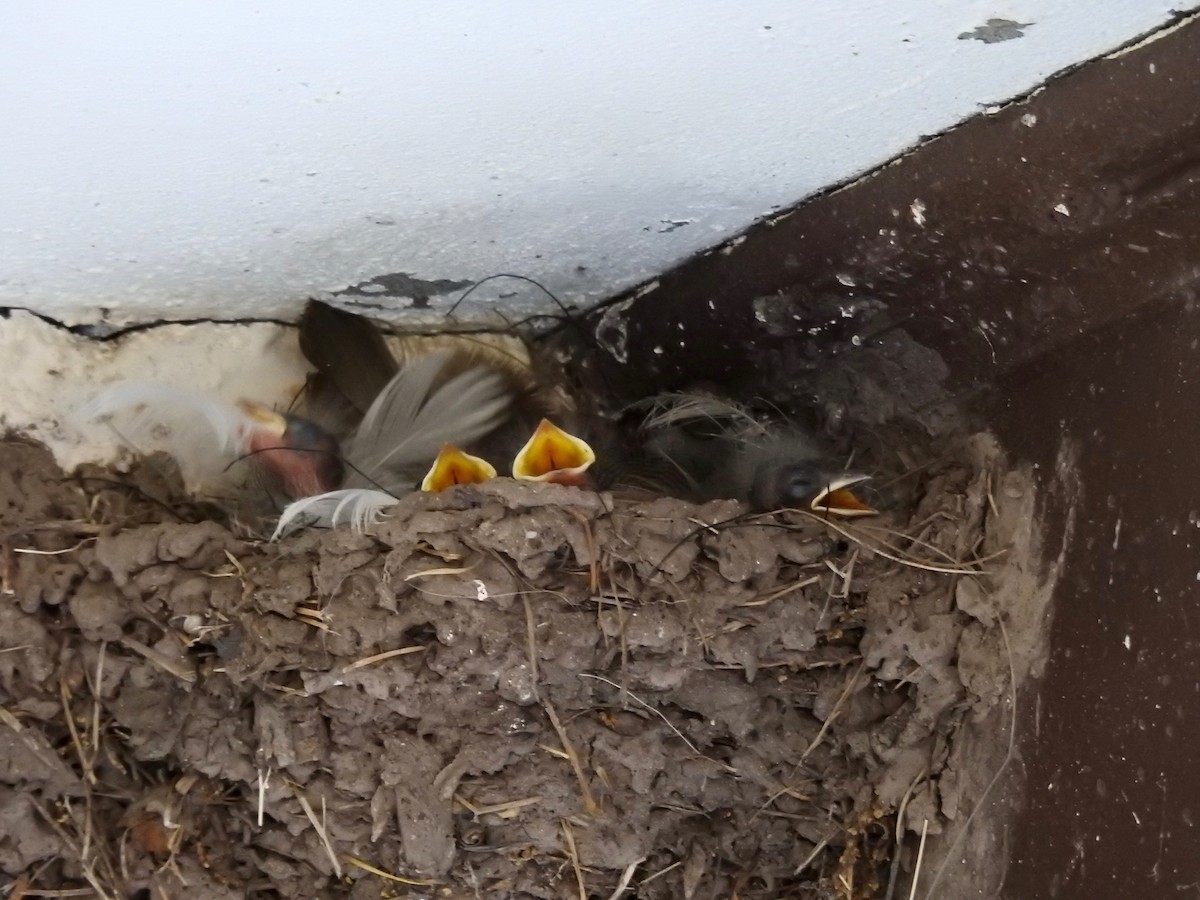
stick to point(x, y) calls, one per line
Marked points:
point(275, 424)
point(553, 455)
point(838, 500)
point(452, 467)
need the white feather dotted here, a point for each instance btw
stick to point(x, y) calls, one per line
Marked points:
point(360, 507)
point(203, 433)
point(410, 421)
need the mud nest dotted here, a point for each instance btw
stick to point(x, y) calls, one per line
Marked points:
point(507, 690)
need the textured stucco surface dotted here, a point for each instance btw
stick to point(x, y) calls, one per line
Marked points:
point(201, 159)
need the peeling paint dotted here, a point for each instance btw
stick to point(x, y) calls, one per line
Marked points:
point(733, 245)
point(996, 31)
point(669, 225)
point(402, 285)
point(647, 288)
point(612, 329)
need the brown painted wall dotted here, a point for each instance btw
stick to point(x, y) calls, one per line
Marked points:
point(1041, 222)
point(1056, 274)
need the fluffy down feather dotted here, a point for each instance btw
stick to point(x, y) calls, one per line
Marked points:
point(202, 433)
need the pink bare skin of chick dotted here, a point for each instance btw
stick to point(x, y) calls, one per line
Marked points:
point(293, 455)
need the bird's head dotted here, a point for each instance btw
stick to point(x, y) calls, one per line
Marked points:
point(297, 457)
point(805, 484)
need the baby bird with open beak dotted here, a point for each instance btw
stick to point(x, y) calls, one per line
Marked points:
point(777, 474)
point(452, 466)
point(718, 450)
point(555, 456)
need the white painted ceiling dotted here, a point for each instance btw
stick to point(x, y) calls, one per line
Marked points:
point(201, 158)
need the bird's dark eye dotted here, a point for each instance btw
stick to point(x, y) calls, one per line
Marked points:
point(778, 485)
point(796, 486)
point(302, 433)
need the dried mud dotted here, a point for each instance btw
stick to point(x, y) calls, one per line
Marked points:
point(507, 691)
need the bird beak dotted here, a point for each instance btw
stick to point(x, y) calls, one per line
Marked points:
point(275, 424)
point(452, 467)
point(836, 499)
point(553, 455)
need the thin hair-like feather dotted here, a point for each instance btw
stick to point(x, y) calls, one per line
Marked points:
point(359, 507)
point(673, 410)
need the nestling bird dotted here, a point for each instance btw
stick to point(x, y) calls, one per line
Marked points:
point(554, 455)
point(719, 450)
